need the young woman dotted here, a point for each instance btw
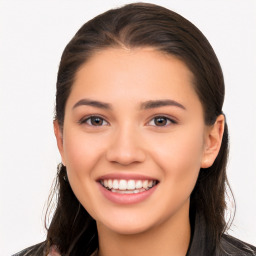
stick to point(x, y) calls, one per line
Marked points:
point(143, 140)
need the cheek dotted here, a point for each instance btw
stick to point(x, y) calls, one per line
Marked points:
point(180, 154)
point(79, 148)
point(82, 154)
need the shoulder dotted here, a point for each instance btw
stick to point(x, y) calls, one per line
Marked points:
point(37, 250)
point(235, 247)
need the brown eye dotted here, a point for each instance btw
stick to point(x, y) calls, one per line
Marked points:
point(161, 121)
point(95, 121)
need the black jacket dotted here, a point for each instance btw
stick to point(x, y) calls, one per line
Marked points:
point(229, 246)
point(199, 246)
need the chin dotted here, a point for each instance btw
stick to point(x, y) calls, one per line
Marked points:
point(129, 229)
point(128, 223)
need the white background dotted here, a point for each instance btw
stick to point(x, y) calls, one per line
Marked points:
point(33, 35)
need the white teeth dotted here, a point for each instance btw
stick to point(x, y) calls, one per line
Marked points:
point(122, 185)
point(138, 184)
point(133, 186)
point(110, 184)
point(115, 184)
point(128, 191)
point(145, 184)
point(105, 183)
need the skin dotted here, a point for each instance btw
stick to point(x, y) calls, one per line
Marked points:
point(129, 140)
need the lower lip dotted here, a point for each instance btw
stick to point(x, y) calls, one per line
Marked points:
point(126, 198)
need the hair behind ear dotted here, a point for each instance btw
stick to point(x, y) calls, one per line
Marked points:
point(69, 221)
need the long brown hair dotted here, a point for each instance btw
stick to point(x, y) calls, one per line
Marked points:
point(72, 229)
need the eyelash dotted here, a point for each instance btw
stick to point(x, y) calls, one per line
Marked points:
point(167, 119)
point(89, 118)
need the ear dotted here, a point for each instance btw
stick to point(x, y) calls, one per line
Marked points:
point(59, 139)
point(212, 143)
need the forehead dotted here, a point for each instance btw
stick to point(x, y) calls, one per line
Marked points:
point(140, 73)
point(125, 57)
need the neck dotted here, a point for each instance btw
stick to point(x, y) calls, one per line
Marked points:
point(171, 237)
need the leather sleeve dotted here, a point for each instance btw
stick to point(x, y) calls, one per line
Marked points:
point(235, 247)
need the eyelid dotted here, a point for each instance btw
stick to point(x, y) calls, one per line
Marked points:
point(170, 119)
point(84, 120)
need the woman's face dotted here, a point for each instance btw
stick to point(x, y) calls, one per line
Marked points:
point(133, 138)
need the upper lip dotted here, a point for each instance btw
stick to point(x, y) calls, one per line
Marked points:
point(125, 176)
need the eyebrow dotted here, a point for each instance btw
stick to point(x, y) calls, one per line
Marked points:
point(93, 103)
point(145, 105)
point(161, 103)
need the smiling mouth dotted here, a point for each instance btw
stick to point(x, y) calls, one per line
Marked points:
point(122, 186)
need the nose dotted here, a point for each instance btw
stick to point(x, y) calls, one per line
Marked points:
point(126, 147)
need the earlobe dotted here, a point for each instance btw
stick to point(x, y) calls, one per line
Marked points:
point(213, 140)
point(59, 139)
